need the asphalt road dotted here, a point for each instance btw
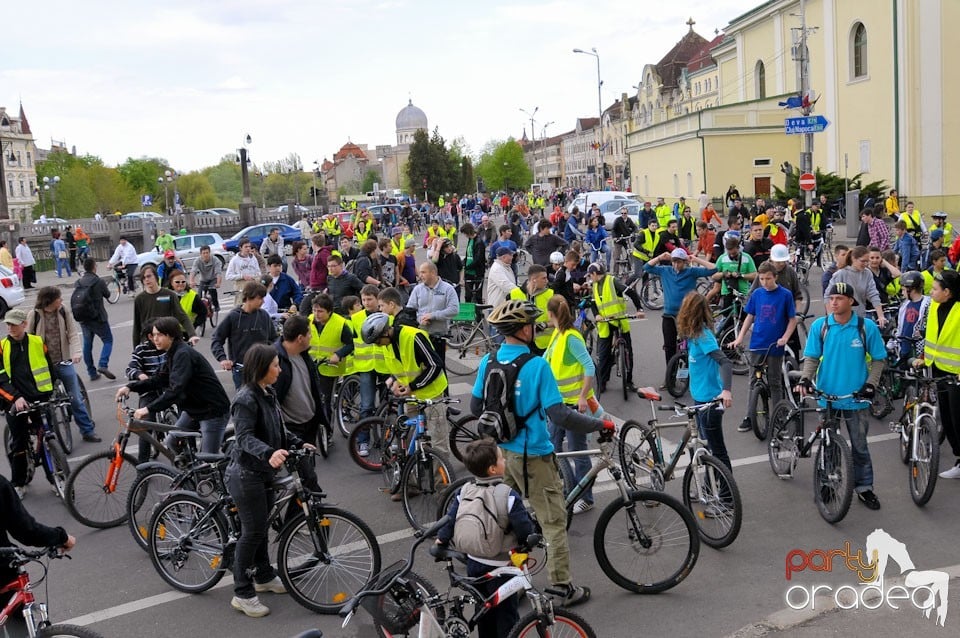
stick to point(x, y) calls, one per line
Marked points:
point(112, 587)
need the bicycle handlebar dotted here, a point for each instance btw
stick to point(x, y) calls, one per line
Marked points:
point(423, 402)
point(18, 555)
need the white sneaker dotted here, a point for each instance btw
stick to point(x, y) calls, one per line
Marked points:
point(364, 450)
point(582, 506)
point(952, 473)
point(275, 586)
point(21, 491)
point(250, 606)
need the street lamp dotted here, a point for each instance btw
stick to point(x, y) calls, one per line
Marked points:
point(543, 145)
point(506, 167)
point(165, 180)
point(533, 140)
point(316, 170)
point(12, 159)
point(50, 184)
point(246, 204)
point(593, 52)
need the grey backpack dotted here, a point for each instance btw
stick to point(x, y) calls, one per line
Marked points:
point(482, 520)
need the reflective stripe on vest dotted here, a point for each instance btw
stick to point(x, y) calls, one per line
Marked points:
point(941, 344)
point(186, 302)
point(569, 377)
point(608, 305)
point(38, 362)
point(406, 369)
point(543, 337)
point(324, 344)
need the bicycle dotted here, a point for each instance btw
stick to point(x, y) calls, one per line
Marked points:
point(213, 312)
point(470, 338)
point(43, 449)
point(758, 405)
point(709, 489)
point(408, 463)
point(726, 323)
point(677, 377)
point(833, 464)
point(64, 412)
point(97, 490)
point(585, 325)
point(622, 268)
point(651, 292)
point(618, 350)
point(919, 440)
point(400, 599)
point(324, 555)
point(118, 284)
point(34, 613)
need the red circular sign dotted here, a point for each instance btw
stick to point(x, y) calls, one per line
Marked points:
point(808, 181)
point(610, 182)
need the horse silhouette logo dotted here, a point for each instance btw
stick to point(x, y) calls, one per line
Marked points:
point(882, 548)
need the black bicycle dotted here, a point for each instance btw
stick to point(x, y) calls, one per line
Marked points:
point(618, 350)
point(43, 448)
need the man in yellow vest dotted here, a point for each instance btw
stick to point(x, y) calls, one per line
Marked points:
point(537, 289)
point(331, 227)
point(449, 231)
point(643, 247)
point(609, 302)
point(914, 221)
point(190, 301)
point(415, 367)
point(440, 202)
point(331, 341)
point(892, 203)
point(663, 212)
point(25, 379)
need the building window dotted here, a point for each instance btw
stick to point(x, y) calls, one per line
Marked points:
point(762, 161)
point(19, 159)
point(22, 189)
point(689, 184)
point(760, 77)
point(676, 185)
point(858, 53)
point(10, 186)
point(864, 156)
point(29, 160)
point(646, 184)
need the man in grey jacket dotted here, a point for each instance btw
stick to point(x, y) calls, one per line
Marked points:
point(436, 303)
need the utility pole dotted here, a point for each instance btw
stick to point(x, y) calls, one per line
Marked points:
point(802, 55)
point(533, 140)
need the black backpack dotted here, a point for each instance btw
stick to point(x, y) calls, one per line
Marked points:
point(82, 305)
point(499, 419)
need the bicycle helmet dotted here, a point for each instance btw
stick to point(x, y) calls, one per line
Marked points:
point(596, 268)
point(510, 316)
point(556, 257)
point(374, 327)
point(939, 215)
point(912, 280)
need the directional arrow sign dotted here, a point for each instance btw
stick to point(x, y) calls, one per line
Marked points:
point(802, 125)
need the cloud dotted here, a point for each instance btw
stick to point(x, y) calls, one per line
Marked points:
point(234, 83)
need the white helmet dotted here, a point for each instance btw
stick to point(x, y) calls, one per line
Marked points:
point(779, 253)
point(556, 257)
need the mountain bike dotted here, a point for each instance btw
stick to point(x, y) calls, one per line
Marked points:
point(833, 464)
point(470, 337)
point(34, 613)
point(726, 322)
point(651, 292)
point(325, 554)
point(64, 411)
point(709, 489)
point(918, 430)
point(758, 405)
point(118, 284)
point(403, 603)
point(622, 267)
point(43, 449)
point(213, 312)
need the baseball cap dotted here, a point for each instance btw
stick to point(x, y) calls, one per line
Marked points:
point(504, 250)
point(169, 253)
point(779, 253)
point(396, 231)
point(842, 288)
point(15, 317)
point(678, 253)
point(410, 243)
point(936, 234)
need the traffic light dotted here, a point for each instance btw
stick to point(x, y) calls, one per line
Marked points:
point(606, 171)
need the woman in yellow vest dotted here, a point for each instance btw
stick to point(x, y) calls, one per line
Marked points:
point(573, 367)
point(361, 233)
point(190, 301)
point(941, 352)
point(331, 341)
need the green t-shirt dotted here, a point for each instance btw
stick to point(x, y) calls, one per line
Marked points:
point(164, 242)
point(744, 265)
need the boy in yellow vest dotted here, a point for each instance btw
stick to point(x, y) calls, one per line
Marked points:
point(331, 341)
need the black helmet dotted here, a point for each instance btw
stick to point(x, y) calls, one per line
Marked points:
point(912, 280)
point(374, 327)
point(512, 315)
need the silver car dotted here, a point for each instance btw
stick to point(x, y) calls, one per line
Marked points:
point(11, 292)
point(188, 248)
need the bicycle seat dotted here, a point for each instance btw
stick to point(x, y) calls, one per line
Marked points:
point(211, 457)
point(183, 434)
point(649, 393)
point(440, 553)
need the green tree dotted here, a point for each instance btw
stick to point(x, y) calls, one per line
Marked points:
point(468, 183)
point(195, 191)
point(225, 179)
point(430, 162)
point(369, 180)
point(503, 167)
point(141, 176)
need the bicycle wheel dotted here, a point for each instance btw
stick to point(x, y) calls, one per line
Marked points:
point(375, 429)
point(59, 470)
point(147, 490)
point(923, 468)
point(785, 427)
point(461, 334)
point(589, 331)
point(906, 438)
point(201, 330)
point(677, 378)
point(91, 498)
point(652, 548)
point(651, 294)
point(323, 580)
point(462, 431)
point(711, 493)
point(833, 478)
point(736, 355)
point(391, 604)
point(114, 287)
point(566, 624)
point(803, 306)
point(60, 419)
point(67, 631)
point(622, 368)
point(188, 543)
point(758, 410)
point(638, 457)
point(346, 410)
point(422, 482)
point(450, 493)
point(323, 441)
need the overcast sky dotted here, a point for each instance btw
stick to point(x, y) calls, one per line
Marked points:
point(187, 80)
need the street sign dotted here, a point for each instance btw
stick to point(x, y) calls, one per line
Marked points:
point(808, 182)
point(803, 125)
point(146, 200)
point(609, 182)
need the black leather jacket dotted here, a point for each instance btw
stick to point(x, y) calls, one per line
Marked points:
point(260, 430)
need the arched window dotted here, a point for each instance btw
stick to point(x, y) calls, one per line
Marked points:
point(760, 77)
point(858, 51)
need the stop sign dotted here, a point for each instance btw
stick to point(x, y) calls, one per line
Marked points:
point(609, 182)
point(808, 182)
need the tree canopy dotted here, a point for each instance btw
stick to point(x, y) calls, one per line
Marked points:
point(503, 167)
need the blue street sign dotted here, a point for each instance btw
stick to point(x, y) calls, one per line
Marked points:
point(802, 125)
point(146, 200)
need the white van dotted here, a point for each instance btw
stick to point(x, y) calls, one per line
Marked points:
point(609, 202)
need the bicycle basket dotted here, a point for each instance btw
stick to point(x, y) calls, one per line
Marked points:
point(467, 314)
point(398, 610)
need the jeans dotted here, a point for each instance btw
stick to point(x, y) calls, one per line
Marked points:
point(668, 325)
point(211, 428)
point(576, 441)
point(858, 429)
point(710, 425)
point(60, 264)
point(131, 284)
point(774, 376)
point(68, 374)
point(254, 498)
point(19, 455)
point(605, 360)
point(437, 426)
point(100, 329)
point(473, 290)
point(237, 376)
point(368, 400)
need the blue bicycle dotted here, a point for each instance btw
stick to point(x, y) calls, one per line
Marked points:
point(43, 448)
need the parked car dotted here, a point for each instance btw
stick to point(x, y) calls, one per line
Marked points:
point(378, 211)
point(607, 200)
point(256, 234)
point(224, 211)
point(188, 248)
point(52, 220)
point(297, 208)
point(143, 214)
point(11, 292)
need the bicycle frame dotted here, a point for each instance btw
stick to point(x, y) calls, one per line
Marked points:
point(23, 596)
point(605, 462)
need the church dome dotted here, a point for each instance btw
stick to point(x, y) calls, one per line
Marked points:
point(411, 117)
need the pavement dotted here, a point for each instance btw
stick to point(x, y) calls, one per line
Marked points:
point(742, 590)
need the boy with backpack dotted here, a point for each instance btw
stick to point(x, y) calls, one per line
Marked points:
point(487, 520)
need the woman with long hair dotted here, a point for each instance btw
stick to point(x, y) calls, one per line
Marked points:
point(710, 370)
point(574, 369)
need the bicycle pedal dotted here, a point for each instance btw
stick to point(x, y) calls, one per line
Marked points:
point(895, 427)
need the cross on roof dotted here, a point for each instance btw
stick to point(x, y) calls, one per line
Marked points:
point(690, 23)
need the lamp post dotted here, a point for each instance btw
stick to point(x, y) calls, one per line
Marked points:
point(316, 169)
point(50, 184)
point(543, 145)
point(533, 139)
point(166, 179)
point(506, 167)
point(246, 204)
point(4, 208)
point(593, 52)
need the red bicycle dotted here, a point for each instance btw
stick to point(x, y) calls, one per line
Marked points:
point(34, 613)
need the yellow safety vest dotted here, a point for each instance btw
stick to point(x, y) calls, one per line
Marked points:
point(38, 362)
point(451, 234)
point(927, 280)
point(942, 346)
point(324, 344)
point(542, 337)
point(364, 355)
point(664, 215)
point(405, 369)
point(815, 220)
point(440, 202)
point(609, 304)
point(912, 221)
point(569, 376)
point(331, 227)
point(396, 249)
point(947, 229)
point(648, 245)
point(361, 236)
point(435, 232)
point(186, 302)
point(517, 294)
